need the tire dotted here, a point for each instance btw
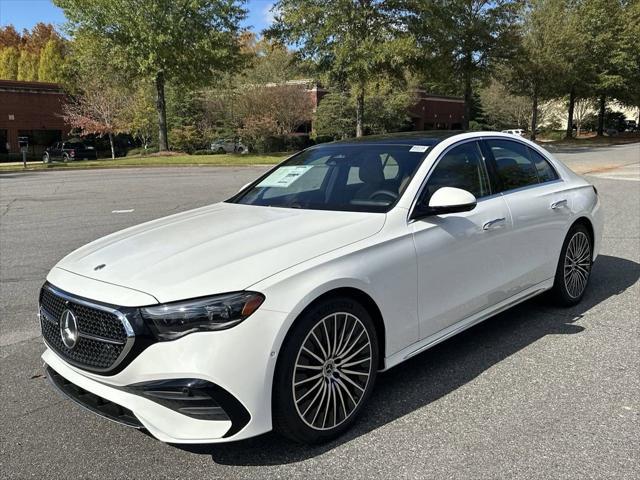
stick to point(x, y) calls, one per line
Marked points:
point(46, 158)
point(574, 267)
point(326, 397)
point(65, 158)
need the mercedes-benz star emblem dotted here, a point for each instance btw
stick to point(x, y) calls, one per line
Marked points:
point(68, 329)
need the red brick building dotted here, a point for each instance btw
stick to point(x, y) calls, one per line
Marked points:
point(436, 112)
point(33, 110)
point(429, 112)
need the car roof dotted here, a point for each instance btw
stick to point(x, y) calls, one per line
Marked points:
point(427, 138)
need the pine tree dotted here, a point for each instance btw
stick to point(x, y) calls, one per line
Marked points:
point(9, 63)
point(28, 66)
point(50, 67)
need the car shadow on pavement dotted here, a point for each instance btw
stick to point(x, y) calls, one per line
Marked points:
point(429, 376)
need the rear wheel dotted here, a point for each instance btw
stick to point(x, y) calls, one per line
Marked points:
point(46, 158)
point(574, 267)
point(325, 372)
point(65, 157)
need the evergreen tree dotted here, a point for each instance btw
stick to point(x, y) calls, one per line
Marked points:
point(28, 66)
point(51, 62)
point(9, 58)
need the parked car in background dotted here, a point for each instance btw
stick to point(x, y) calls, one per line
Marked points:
point(631, 126)
point(515, 131)
point(67, 151)
point(228, 145)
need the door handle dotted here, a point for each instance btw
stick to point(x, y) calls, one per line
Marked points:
point(558, 204)
point(493, 224)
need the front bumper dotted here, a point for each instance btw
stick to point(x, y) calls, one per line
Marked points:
point(240, 360)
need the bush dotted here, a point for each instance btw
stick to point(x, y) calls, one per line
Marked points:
point(187, 139)
point(475, 126)
point(297, 142)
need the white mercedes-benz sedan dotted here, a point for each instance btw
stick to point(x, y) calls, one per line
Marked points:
point(276, 308)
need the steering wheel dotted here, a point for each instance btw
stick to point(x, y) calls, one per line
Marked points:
point(387, 193)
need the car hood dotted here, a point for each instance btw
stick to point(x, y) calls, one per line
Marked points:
point(219, 248)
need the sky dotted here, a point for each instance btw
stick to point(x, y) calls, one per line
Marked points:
point(26, 13)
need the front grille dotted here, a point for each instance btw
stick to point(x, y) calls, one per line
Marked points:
point(102, 340)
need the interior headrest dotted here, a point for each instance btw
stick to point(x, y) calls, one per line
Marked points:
point(371, 171)
point(506, 162)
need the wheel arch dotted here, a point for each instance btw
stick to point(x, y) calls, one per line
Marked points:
point(586, 222)
point(361, 297)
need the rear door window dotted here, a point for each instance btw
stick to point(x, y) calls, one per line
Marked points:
point(514, 167)
point(546, 173)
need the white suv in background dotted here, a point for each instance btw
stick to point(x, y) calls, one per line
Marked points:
point(515, 131)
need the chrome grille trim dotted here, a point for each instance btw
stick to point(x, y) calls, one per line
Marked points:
point(127, 344)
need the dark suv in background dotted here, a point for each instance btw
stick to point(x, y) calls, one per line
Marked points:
point(67, 151)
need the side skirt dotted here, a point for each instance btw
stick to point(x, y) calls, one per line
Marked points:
point(448, 332)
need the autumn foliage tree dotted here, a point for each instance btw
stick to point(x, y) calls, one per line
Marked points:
point(33, 55)
point(100, 110)
point(272, 110)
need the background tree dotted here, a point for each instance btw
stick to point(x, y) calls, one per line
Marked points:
point(604, 21)
point(386, 110)
point(623, 73)
point(352, 42)
point(9, 37)
point(35, 39)
point(582, 111)
point(540, 61)
point(100, 110)
point(334, 117)
point(50, 65)
point(270, 111)
point(502, 109)
point(460, 40)
point(9, 57)
point(140, 116)
point(28, 66)
point(163, 40)
point(21, 54)
point(268, 61)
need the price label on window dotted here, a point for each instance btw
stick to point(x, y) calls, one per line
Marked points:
point(285, 176)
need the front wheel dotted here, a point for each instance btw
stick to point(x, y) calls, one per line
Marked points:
point(574, 267)
point(325, 371)
point(46, 158)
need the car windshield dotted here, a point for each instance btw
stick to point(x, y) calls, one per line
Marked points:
point(367, 178)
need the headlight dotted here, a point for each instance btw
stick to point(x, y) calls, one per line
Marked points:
point(174, 320)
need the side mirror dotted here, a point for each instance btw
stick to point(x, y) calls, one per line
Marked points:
point(446, 200)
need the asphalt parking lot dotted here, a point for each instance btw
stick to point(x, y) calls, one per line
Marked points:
point(536, 392)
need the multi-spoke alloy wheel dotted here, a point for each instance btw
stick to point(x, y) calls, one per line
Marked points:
point(574, 266)
point(325, 371)
point(332, 371)
point(577, 264)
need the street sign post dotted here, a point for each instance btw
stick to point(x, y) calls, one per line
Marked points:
point(23, 143)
